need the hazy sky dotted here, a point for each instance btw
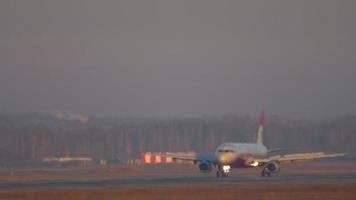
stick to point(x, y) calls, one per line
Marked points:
point(178, 58)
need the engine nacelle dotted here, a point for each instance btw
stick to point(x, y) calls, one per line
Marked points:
point(272, 167)
point(205, 167)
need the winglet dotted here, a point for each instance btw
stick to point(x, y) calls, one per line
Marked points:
point(260, 128)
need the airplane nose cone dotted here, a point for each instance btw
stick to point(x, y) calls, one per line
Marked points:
point(223, 159)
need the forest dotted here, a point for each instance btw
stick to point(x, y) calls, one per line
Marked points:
point(34, 136)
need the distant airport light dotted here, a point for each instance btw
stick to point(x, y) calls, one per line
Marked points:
point(164, 157)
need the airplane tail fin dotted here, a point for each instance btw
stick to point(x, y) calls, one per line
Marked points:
point(261, 124)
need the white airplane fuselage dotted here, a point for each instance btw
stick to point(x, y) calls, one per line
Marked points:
point(247, 155)
point(239, 155)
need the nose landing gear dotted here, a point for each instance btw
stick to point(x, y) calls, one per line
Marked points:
point(223, 171)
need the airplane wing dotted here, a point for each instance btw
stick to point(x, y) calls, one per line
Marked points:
point(279, 149)
point(194, 158)
point(297, 157)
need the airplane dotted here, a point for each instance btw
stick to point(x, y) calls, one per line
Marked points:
point(248, 155)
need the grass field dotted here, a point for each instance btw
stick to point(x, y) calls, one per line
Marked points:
point(275, 191)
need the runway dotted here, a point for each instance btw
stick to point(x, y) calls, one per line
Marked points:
point(171, 180)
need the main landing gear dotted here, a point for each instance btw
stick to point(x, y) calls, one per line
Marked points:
point(269, 168)
point(265, 173)
point(223, 171)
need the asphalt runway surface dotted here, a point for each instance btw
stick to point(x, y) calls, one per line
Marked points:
point(320, 177)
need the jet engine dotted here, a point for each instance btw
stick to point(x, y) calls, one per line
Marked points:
point(205, 167)
point(272, 167)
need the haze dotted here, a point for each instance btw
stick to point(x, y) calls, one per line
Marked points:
point(183, 58)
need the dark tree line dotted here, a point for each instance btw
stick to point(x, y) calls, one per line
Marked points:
point(36, 136)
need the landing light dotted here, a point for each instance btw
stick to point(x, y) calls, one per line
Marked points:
point(226, 168)
point(254, 164)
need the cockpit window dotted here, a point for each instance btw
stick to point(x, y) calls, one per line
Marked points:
point(226, 151)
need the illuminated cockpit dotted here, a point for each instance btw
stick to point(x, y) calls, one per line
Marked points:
point(226, 151)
